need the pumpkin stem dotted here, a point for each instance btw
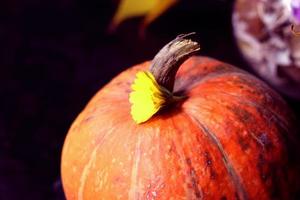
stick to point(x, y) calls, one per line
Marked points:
point(152, 90)
point(168, 60)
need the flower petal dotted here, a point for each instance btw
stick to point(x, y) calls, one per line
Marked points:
point(147, 97)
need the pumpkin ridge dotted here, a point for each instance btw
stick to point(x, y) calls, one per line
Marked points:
point(194, 179)
point(250, 133)
point(252, 103)
point(242, 193)
point(85, 173)
point(194, 75)
point(288, 145)
point(91, 160)
point(133, 192)
point(202, 79)
point(283, 133)
point(288, 137)
point(263, 113)
point(179, 151)
point(188, 167)
point(246, 101)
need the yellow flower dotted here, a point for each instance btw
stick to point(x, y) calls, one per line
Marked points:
point(147, 97)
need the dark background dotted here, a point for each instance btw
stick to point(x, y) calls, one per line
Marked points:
point(54, 55)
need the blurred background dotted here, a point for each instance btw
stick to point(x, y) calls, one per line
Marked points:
point(55, 55)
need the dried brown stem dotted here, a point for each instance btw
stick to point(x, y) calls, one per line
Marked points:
point(168, 60)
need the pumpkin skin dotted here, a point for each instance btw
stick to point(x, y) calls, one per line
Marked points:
point(231, 138)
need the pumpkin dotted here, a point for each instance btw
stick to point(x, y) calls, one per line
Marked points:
point(218, 133)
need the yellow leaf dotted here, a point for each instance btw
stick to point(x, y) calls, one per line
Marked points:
point(159, 9)
point(147, 97)
point(134, 8)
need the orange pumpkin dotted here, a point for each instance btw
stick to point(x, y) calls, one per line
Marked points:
point(232, 137)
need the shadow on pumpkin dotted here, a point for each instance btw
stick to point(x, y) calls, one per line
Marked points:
point(171, 110)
